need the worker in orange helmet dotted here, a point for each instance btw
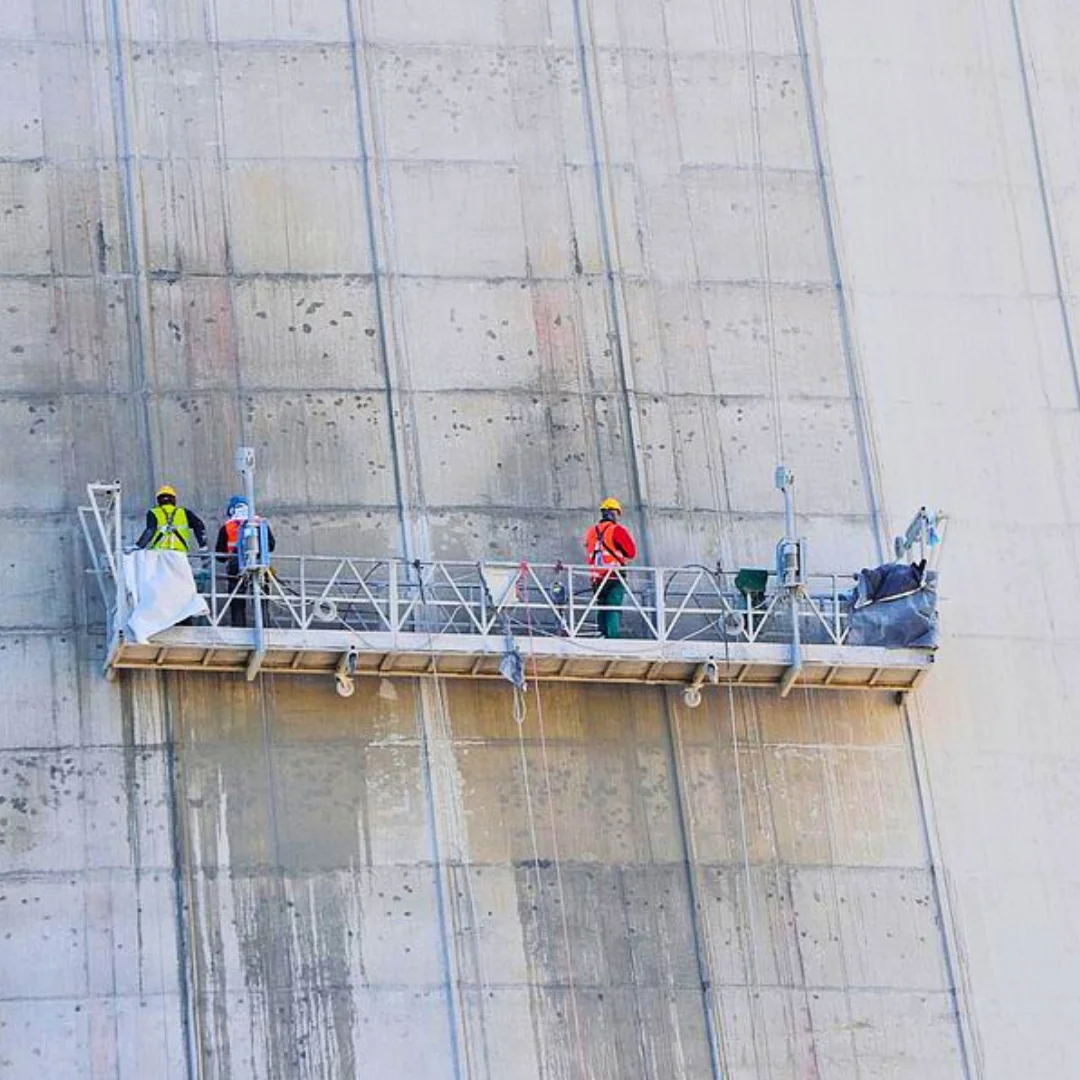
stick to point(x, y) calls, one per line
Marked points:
point(608, 546)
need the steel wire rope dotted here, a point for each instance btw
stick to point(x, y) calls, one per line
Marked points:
point(831, 795)
point(761, 230)
point(443, 719)
point(744, 839)
point(571, 977)
point(762, 237)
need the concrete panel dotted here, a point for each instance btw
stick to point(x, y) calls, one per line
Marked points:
point(66, 334)
point(446, 104)
point(42, 950)
point(32, 464)
point(17, 21)
point(184, 204)
point(267, 1033)
point(727, 233)
point(21, 133)
point(287, 103)
point(86, 234)
point(323, 448)
point(198, 432)
point(508, 434)
point(299, 217)
point(458, 22)
point(24, 217)
point(75, 91)
point(44, 1037)
point(174, 113)
point(479, 334)
point(37, 593)
point(281, 20)
point(730, 26)
point(700, 79)
point(193, 334)
point(315, 333)
point(43, 712)
point(330, 932)
point(478, 205)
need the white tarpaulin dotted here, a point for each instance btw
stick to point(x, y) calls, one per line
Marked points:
point(161, 592)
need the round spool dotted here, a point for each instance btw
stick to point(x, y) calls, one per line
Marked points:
point(325, 610)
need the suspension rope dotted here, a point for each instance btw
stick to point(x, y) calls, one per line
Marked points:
point(520, 703)
point(761, 229)
point(571, 977)
point(442, 719)
point(832, 796)
point(748, 884)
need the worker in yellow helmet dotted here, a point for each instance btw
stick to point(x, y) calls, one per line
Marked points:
point(608, 546)
point(170, 527)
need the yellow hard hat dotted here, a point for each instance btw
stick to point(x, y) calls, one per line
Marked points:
point(166, 489)
point(611, 504)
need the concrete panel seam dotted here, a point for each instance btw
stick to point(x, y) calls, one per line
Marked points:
point(867, 454)
point(592, 105)
point(1044, 198)
point(363, 103)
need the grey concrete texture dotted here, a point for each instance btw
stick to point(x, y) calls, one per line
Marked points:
point(458, 269)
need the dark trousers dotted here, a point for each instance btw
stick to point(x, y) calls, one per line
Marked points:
point(238, 605)
point(610, 595)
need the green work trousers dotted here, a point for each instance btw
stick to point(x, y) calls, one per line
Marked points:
point(609, 596)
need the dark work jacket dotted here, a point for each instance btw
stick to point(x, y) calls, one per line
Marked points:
point(232, 564)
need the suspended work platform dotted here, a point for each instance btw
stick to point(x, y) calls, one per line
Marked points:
point(352, 617)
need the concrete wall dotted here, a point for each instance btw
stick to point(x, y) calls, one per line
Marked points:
point(457, 269)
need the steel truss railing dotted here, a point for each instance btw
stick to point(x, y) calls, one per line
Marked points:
point(661, 604)
point(311, 592)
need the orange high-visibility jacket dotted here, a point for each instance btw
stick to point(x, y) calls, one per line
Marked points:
point(607, 544)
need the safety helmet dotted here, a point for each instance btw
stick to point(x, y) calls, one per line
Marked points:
point(611, 504)
point(234, 502)
point(166, 490)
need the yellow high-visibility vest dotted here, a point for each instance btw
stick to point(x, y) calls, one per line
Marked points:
point(173, 532)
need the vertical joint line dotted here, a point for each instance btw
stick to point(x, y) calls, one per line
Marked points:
point(944, 920)
point(378, 270)
point(708, 990)
point(139, 310)
point(855, 380)
point(1044, 197)
point(186, 978)
point(627, 394)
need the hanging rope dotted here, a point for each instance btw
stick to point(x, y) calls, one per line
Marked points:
point(442, 718)
point(570, 974)
point(748, 883)
point(761, 223)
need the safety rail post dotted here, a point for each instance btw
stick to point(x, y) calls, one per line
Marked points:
point(393, 610)
point(571, 626)
point(661, 607)
point(305, 617)
point(118, 562)
point(213, 589)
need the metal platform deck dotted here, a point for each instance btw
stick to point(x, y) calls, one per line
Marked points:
point(476, 656)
